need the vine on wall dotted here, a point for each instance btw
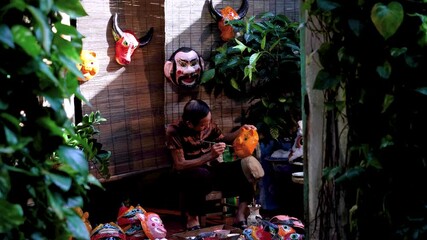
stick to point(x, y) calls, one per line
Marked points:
point(374, 52)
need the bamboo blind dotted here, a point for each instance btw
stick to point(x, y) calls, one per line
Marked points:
point(130, 97)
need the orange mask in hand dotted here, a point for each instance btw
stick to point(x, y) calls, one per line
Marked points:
point(245, 143)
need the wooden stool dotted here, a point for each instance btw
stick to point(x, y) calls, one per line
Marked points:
point(220, 211)
point(217, 201)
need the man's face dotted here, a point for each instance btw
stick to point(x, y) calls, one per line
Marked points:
point(188, 69)
point(204, 123)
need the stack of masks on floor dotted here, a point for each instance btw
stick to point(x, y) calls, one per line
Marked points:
point(133, 223)
point(280, 227)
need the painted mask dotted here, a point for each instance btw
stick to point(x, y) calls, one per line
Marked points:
point(85, 218)
point(127, 42)
point(245, 143)
point(256, 233)
point(289, 221)
point(89, 65)
point(184, 68)
point(127, 219)
point(152, 225)
point(227, 14)
point(285, 231)
point(107, 231)
point(294, 236)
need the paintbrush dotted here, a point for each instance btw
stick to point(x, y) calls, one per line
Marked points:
point(203, 141)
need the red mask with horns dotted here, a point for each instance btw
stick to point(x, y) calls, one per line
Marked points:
point(227, 14)
point(127, 43)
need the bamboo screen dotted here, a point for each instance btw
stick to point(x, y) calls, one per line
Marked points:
point(130, 97)
point(136, 99)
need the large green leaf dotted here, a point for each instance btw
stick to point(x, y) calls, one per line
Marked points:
point(55, 202)
point(356, 26)
point(73, 8)
point(66, 48)
point(388, 100)
point(422, 90)
point(45, 6)
point(387, 18)
point(254, 58)
point(77, 227)
point(6, 36)
point(327, 5)
point(234, 84)
point(325, 80)
point(26, 40)
point(11, 216)
point(4, 182)
point(48, 123)
point(67, 30)
point(385, 70)
point(207, 75)
point(74, 158)
point(17, 4)
point(242, 47)
point(352, 174)
point(42, 27)
point(69, 64)
point(47, 71)
point(61, 181)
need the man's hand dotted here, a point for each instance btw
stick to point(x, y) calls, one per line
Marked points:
point(217, 149)
point(249, 127)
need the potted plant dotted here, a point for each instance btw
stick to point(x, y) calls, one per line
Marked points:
point(84, 140)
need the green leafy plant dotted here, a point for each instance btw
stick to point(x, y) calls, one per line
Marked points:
point(373, 61)
point(43, 177)
point(84, 139)
point(261, 66)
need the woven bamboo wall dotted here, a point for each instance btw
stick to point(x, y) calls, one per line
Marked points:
point(130, 97)
point(136, 99)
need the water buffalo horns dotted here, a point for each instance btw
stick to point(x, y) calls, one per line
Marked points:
point(116, 28)
point(147, 38)
point(119, 33)
point(241, 12)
